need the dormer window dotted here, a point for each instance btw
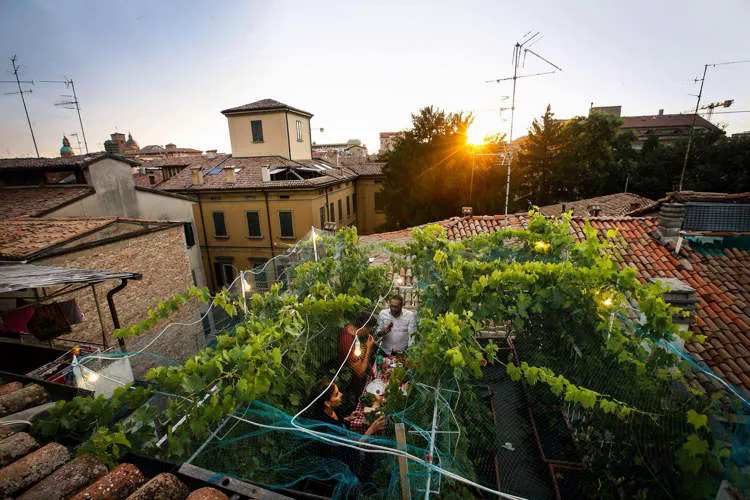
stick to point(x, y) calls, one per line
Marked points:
point(257, 129)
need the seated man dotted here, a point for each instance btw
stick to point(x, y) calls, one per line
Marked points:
point(397, 325)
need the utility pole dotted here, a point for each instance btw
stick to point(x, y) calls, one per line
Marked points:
point(71, 102)
point(521, 47)
point(21, 92)
point(695, 115)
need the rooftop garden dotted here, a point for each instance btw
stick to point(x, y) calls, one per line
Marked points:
point(589, 346)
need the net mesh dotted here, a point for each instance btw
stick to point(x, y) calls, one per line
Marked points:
point(473, 439)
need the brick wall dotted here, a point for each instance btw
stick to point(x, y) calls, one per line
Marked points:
point(162, 259)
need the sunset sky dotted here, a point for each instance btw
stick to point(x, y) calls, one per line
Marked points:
point(165, 70)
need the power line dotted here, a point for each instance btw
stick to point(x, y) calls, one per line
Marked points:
point(21, 92)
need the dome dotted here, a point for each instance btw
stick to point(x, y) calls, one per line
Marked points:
point(66, 150)
point(130, 143)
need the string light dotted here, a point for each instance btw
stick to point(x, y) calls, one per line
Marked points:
point(541, 246)
point(607, 302)
point(92, 377)
point(357, 347)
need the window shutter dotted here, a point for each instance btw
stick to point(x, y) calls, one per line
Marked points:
point(257, 128)
point(253, 224)
point(220, 229)
point(287, 226)
point(189, 235)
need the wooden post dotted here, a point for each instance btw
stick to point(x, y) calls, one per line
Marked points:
point(403, 466)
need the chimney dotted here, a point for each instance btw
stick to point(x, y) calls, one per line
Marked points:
point(197, 175)
point(265, 174)
point(211, 154)
point(171, 145)
point(670, 217)
point(661, 112)
point(466, 211)
point(229, 175)
point(594, 210)
point(680, 295)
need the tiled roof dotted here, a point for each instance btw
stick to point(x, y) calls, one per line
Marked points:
point(610, 205)
point(250, 175)
point(721, 279)
point(156, 149)
point(30, 470)
point(33, 201)
point(72, 161)
point(264, 105)
point(678, 120)
point(144, 180)
point(25, 238)
point(366, 169)
point(694, 196)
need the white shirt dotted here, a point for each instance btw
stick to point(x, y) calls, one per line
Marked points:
point(401, 335)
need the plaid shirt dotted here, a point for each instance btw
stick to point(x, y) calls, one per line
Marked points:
point(358, 418)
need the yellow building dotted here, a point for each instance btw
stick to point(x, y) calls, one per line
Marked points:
point(270, 192)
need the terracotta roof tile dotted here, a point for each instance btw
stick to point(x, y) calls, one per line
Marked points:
point(33, 201)
point(72, 161)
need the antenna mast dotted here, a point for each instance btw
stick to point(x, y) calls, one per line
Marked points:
point(21, 92)
point(70, 102)
point(521, 48)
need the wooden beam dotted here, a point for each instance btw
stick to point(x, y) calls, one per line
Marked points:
point(403, 466)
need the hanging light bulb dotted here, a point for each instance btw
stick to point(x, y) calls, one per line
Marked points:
point(92, 377)
point(607, 302)
point(357, 347)
point(541, 246)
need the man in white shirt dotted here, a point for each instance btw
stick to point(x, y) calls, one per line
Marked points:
point(397, 325)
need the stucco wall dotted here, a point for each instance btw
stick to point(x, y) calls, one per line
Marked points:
point(275, 140)
point(367, 217)
point(300, 149)
point(115, 192)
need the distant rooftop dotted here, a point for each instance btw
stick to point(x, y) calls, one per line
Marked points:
point(71, 161)
point(264, 105)
point(35, 201)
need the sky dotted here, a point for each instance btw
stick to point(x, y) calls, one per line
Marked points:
point(164, 70)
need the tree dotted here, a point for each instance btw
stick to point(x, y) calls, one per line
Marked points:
point(432, 172)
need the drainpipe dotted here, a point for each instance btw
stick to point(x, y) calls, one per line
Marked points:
point(270, 231)
point(208, 249)
point(113, 311)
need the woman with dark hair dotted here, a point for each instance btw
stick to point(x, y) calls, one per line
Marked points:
point(324, 407)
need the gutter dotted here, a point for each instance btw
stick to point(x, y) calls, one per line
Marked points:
point(268, 217)
point(113, 311)
point(288, 138)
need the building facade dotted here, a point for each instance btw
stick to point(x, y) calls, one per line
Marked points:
point(269, 193)
point(352, 152)
point(388, 140)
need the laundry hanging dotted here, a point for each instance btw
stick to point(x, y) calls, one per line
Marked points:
point(16, 321)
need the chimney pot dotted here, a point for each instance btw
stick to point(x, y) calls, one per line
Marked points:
point(467, 211)
point(197, 175)
point(211, 154)
point(229, 175)
point(661, 112)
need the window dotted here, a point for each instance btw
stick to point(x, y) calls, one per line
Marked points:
point(253, 224)
point(379, 201)
point(354, 202)
point(287, 226)
point(348, 207)
point(341, 214)
point(189, 234)
point(322, 217)
point(224, 273)
point(331, 214)
point(152, 179)
point(299, 130)
point(220, 229)
point(257, 128)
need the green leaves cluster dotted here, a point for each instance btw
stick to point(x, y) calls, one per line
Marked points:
point(163, 309)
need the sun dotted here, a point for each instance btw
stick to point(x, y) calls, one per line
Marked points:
point(475, 136)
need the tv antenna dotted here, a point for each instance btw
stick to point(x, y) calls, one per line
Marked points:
point(21, 92)
point(695, 113)
point(78, 140)
point(520, 50)
point(70, 102)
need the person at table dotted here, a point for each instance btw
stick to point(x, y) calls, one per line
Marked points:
point(397, 326)
point(324, 407)
point(357, 362)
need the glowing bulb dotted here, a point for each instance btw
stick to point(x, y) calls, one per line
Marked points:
point(246, 287)
point(399, 280)
point(607, 302)
point(357, 347)
point(541, 246)
point(92, 377)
